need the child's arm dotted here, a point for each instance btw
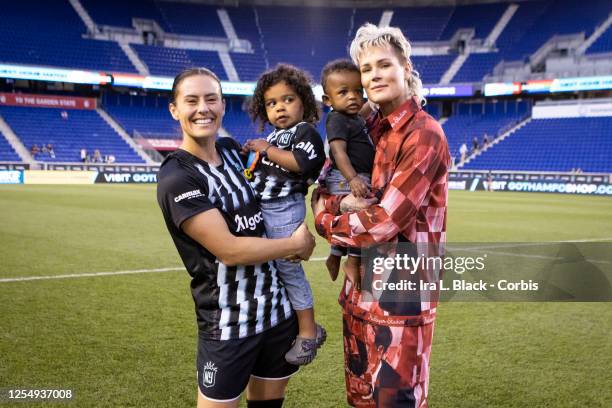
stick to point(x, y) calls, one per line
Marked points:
point(358, 187)
point(283, 158)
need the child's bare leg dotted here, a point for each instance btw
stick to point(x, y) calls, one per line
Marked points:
point(351, 268)
point(306, 323)
point(333, 265)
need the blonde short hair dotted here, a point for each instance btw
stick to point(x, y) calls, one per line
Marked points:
point(370, 35)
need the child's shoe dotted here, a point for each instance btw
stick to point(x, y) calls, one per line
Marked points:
point(304, 350)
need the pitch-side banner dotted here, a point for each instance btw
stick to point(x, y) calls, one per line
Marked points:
point(58, 177)
point(126, 177)
point(47, 101)
point(11, 177)
point(531, 186)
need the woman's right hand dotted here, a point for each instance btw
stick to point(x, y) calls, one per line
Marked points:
point(305, 241)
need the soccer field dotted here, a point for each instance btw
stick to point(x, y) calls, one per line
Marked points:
point(128, 339)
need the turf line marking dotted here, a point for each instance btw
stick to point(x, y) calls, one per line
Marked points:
point(550, 258)
point(87, 275)
point(589, 240)
point(317, 259)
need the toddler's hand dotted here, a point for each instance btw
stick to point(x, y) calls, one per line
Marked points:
point(257, 145)
point(358, 187)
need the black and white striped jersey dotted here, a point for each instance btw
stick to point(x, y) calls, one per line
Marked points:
point(231, 301)
point(272, 181)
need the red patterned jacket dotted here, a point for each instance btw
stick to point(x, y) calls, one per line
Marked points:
point(410, 175)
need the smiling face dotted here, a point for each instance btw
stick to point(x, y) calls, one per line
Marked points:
point(198, 107)
point(283, 106)
point(343, 92)
point(383, 76)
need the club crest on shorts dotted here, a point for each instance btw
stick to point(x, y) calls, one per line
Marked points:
point(209, 374)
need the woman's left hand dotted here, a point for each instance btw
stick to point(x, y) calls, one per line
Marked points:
point(350, 203)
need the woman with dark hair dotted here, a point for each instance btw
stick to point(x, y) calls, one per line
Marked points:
point(244, 317)
point(410, 181)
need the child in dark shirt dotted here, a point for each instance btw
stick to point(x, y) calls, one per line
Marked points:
point(350, 149)
point(291, 158)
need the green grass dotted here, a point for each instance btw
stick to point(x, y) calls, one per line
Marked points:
point(129, 340)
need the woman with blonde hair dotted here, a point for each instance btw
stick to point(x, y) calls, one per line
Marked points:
point(387, 338)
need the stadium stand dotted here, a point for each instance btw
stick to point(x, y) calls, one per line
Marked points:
point(304, 36)
point(433, 67)
point(172, 17)
point(61, 45)
point(533, 24)
point(471, 120)
point(360, 16)
point(422, 23)
point(7, 153)
point(553, 145)
point(148, 115)
point(120, 13)
point(476, 67)
point(191, 18)
point(434, 109)
point(168, 61)
point(237, 122)
point(81, 129)
point(326, 31)
point(245, 22)
point(463, 17)
point(603, 43)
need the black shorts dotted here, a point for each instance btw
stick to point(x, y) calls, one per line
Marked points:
point(225, 366)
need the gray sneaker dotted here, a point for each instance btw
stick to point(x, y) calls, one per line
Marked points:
point(304, 350)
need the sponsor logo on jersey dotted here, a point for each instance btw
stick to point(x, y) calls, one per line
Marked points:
point(308, 148)
point(209, 374)
point(250, 223)
point(188, 195)
point(267, 162)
